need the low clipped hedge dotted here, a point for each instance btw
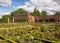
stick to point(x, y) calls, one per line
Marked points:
point(15, 20)
point(3, 21)
point(20, 20)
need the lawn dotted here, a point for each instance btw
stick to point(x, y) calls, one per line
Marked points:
point(29, 33)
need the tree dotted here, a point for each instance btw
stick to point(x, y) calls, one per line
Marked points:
point(44, 13)
point(6, 16)
point(19, 11)
point(36, 12)
point(57, 13)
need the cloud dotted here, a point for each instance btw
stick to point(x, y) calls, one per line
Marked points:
point(48, 5)
point(51, 6)
point(5, 2)
point(27, 6)
point(58, 1)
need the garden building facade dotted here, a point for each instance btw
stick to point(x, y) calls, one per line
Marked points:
point(30, 18)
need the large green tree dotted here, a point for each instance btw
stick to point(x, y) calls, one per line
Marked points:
point(44, 13)
point(19, 11)
point(36, 12)
point(6, 16)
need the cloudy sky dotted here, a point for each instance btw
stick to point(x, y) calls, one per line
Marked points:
point(7, 6)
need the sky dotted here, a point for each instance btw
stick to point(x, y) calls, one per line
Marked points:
point(7, 6)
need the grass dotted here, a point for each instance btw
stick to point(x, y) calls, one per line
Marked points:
point(19, 32)
point(58, 42)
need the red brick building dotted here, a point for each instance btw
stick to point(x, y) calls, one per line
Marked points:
point(53, 18)
point(30, 18)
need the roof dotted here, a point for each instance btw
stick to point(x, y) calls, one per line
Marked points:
point(20, 16)
point(48, 17)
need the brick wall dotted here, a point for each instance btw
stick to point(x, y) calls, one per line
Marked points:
point(30, 18)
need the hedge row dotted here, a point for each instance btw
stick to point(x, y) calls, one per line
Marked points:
point(16, 20)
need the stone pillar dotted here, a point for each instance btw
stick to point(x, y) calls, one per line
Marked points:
point(33, 19)
point(8, 20)
point(30, 18)
point(13, 19)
